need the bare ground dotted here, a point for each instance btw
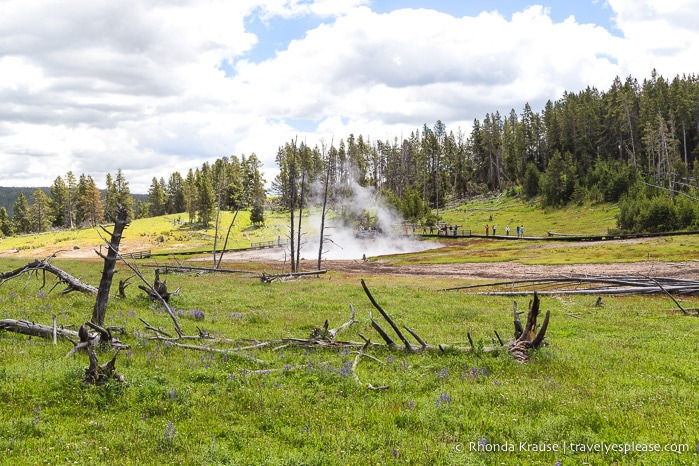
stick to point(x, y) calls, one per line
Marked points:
point(479, 271)
point(493, 271)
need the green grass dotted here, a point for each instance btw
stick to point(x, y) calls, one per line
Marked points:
point(573, 219)
point(619, 374)
point(613, 375)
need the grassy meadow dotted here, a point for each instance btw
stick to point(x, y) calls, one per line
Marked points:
point(615, 384)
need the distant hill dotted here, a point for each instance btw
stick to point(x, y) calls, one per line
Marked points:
point(9, 195)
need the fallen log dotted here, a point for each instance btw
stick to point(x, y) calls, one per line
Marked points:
point(72, 283)
point(33, 329)
point(269, 278)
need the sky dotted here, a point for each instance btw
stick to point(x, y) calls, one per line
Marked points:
point(162, 86)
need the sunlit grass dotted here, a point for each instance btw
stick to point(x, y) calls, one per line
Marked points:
point(616, 374)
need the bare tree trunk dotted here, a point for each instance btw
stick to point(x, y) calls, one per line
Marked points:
point(292, 205)
point(322, 216)
point(228, 233)
point(110, 260)
point(633, 147)
point(298, 234)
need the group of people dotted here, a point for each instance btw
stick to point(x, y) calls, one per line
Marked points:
point(453, 230)
point(520, 230)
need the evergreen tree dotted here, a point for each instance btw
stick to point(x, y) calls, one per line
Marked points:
point(123, 193)
point(5, 223)
point(71, 185)
point(59, 199)
point(206, 198)
point(110, 199)
point(39, 213)
point(190, 195)
point(175, 194)
point(157, 201)
point(20, 215)
point(254, 187)
point(557, 182)
point(89, 202)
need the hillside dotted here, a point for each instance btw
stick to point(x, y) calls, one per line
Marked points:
point(9, 194)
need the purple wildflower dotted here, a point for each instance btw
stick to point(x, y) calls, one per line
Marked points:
point(170, 432)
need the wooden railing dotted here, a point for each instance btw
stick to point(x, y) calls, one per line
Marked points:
point(139, 254)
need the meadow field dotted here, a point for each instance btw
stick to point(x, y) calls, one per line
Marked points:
point(616, 384)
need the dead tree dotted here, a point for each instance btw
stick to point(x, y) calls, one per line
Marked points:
point(110, 260)
point(527, 338)
point(72, 283)
point(159, 289)
point(97, 374)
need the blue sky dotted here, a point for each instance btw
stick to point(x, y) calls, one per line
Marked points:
point(167, 86)
point(276, 33)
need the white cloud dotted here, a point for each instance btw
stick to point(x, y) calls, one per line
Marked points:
point(93, 87)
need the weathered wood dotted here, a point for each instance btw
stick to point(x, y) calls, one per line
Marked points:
point(395, 328)
point(33, 329)
point(529, 338)
point(72, 283)
point(100, 309)
point(269, 278)
point(98, 375)
point(602, 285)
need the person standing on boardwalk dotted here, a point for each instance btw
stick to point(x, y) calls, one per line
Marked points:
point(507, 230)
point(487, 228)
point(517, 231)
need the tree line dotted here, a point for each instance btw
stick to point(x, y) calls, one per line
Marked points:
point(71, 202)
point(590, 146)
point(635, 143)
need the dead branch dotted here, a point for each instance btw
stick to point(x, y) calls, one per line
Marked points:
point(587, 285)
point(668, 293)
point(407, 344)
point(269, 278)
point(360, 353)
point(226, 352)
point(72, 283)
point(169, 310)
